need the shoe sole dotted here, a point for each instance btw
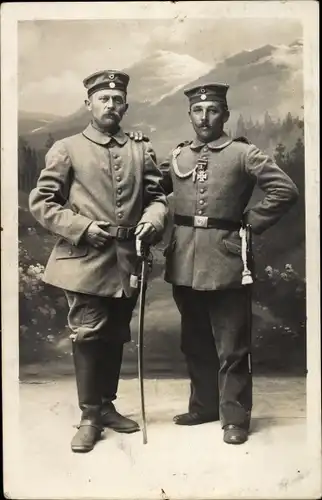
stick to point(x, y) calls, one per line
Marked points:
point(123, 431)
point(235, 442)
point(81, 450)
point(199, 422)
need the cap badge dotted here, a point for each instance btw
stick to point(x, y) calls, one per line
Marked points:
point(203, 97)
point(111, 85)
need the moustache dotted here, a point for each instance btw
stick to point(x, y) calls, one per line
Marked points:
point(113, 116)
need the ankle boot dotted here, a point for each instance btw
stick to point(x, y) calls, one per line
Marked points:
point(89, 432)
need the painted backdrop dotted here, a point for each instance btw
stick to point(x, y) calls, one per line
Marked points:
point(262, 63)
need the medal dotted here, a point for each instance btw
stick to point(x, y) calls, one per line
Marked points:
point(202, 176)
point(200, 173)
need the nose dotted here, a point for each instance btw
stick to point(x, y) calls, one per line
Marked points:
point(109, 104)
point(204, 115)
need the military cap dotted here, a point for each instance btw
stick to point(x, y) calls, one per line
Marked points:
point(207, 92)
point(106, 79)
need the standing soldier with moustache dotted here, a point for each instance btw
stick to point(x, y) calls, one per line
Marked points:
point(212, 179)
point(99, 191)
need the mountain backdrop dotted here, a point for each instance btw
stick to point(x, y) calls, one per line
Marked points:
point(266, 101)
point(267, 79)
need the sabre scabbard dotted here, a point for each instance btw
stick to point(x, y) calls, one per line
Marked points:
point(143, 254)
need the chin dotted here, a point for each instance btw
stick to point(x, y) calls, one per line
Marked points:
point(205, 137)
point(107, 122)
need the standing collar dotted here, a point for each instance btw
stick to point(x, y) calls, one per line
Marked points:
point(99, 137)
point(220, 143)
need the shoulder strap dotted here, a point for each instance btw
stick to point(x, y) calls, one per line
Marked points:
point(145, 138)
point(184, 144)
point(137, 149)
point(242, 139)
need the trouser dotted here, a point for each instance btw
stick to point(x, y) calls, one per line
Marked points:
point(216, 342)
point(100, 326)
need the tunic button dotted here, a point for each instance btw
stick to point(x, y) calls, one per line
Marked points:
point(119, 191)
point(70, 252)
point(118, 178)
point(119, 203)
point(201, 202)
point(116, 167)
point(120, 215)
point(115, 155)
point(200, 212)
point(202, 190)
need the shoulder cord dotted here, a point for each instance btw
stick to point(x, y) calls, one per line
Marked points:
point(179, 174)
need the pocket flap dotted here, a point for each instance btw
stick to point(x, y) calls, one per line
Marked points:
point(65, 250)
point(169, 249)
point(232, 247)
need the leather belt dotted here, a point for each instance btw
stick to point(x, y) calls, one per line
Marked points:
point(121, 233)
point(206, 222)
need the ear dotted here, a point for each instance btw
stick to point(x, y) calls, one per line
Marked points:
point(126, 107)
point(88, 104)
point(226, 116)
point(189, 113)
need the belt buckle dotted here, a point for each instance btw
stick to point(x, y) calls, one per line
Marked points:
point(122, 233)
point(200, 221)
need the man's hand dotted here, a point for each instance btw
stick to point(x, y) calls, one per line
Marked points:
point(97, 234)
point(145, 232)
point(138, 136)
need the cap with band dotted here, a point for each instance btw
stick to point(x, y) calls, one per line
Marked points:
point(107, 79)
point(208, 92)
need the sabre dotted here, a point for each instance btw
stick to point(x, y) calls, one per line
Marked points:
point(143, 252)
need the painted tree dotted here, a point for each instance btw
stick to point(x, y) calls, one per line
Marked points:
point(50, 141)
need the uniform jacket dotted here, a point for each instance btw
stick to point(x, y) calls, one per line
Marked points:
point(210, 259)
point(89, 177)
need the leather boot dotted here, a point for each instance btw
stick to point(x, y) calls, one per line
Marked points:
point(86, 437)
point(86, 357)
point(114, 420)
point(110, 367)
point(234, 434)
point(195, 418)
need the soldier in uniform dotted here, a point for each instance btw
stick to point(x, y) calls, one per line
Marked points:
point(212, 179)
point(99, 191)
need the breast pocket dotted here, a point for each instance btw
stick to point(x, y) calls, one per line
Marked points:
point(65, 250)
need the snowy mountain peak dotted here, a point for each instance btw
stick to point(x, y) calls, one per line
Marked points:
point(163, 72)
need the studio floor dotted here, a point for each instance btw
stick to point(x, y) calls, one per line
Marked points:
point(177, 462)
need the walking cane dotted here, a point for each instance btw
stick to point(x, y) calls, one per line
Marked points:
point(247, 279)
point(142, 251)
